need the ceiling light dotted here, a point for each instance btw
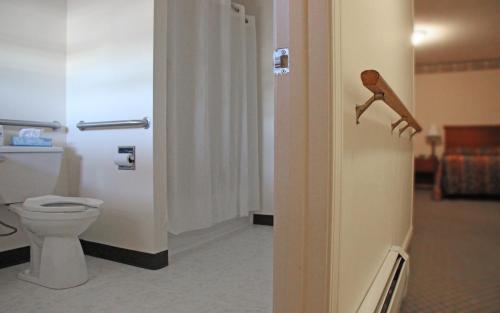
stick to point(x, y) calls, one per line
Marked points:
point(418, 37)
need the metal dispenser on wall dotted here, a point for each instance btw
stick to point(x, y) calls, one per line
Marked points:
point(125, 159)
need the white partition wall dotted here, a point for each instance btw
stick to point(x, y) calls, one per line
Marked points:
point(110, 72)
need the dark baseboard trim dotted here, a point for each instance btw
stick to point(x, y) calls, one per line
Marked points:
point(14, 257)
point(262, 219)
point(120, 255)
point(136, 258)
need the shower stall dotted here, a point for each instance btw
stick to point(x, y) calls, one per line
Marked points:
point(213, 122)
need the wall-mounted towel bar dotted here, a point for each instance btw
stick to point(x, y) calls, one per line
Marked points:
point(144, 123)
point(382, 91)
point(54, 125)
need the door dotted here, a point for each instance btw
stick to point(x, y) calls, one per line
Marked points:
point(304, 158)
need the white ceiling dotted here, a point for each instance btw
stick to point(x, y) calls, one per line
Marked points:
point(458, 30)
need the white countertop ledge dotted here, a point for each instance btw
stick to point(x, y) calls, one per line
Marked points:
point(23, 149)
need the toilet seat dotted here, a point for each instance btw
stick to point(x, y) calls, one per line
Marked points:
point(55, 217)
point(57, 204)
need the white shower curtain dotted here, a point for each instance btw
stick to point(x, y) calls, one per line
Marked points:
point(212, 132)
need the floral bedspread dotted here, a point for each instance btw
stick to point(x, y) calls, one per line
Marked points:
point(471, 172)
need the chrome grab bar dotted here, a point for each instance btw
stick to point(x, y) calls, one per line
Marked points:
point(144, 123)
point(54, 125)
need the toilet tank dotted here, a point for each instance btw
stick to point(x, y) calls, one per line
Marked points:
point(28, 172)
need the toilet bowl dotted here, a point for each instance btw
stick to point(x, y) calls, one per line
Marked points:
point(53, 225)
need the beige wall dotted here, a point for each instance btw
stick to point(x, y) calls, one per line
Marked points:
point(264, 15)
point(32, 76)
point(376, 167)
point(456, 98)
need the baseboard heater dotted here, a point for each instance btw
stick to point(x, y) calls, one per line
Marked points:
point(389, 287)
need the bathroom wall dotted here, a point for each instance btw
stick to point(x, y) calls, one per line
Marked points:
point(456, 98)
point(375, 192)
point(110, 77)
point(264, 14)
point(32, 76)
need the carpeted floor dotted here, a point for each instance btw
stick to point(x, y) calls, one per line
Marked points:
point(455, 257)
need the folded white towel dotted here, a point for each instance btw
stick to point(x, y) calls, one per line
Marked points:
point(30, 132)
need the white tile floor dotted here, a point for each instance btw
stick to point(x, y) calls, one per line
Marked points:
point(232, 274)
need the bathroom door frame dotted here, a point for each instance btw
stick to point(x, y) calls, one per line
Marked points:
point(306, 150)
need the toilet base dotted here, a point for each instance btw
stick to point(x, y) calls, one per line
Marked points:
point(26, 276)
point(56, 255)
point(58, 264)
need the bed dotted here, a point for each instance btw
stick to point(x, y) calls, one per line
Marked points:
point(470, 165)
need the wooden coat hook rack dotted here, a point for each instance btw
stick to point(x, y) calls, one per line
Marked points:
point(382, 91)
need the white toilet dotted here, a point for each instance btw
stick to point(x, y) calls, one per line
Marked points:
point(52, 223)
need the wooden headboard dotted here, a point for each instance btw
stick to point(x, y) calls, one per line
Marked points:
point(471, 136)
